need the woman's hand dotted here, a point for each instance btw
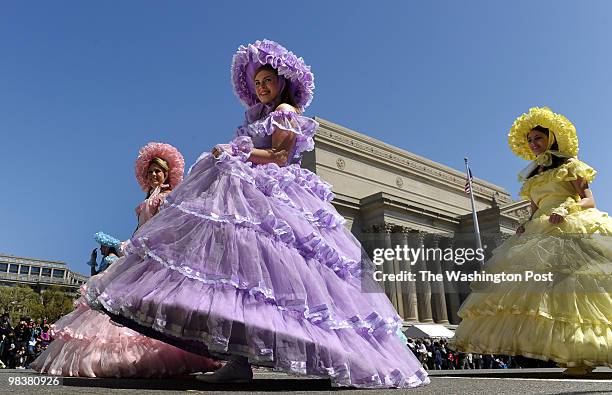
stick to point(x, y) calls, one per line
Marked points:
point(556, 219)
point(219, 148)
point(520, 230)
point(280, 157)
point(94, 255)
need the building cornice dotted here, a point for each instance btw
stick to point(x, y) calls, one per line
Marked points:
point(401, 204)
point(32, 261)
point(368, 148)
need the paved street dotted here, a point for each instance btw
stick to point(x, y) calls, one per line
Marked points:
point(525, 381)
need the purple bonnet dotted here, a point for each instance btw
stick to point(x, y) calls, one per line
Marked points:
point(248, 59)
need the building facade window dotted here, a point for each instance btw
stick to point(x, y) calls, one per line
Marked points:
point(24, 271)
point(58, 273)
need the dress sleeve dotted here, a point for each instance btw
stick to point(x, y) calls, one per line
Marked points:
point(573, 170)
point(106, 262)
point(303, 127)
point(570, 171)
point(147, 209)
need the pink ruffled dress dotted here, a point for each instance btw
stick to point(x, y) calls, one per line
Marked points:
point(88, 344)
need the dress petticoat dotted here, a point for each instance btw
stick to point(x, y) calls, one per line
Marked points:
point(255, 261)
point(567, 320)
point(88, 344)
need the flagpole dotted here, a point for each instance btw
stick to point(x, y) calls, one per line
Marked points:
point(474, 215)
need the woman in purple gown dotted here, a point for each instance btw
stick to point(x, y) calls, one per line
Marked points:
point(249, 260)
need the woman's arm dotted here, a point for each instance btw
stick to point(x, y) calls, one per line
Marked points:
point(282, 144)
point(93, 262)
point(150, 207)
point(521, 229)
point(534, 208)
point(586, 201)
point(586, 195)
point(263, 156)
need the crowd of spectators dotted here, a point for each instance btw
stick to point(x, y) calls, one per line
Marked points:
point(434, 354)
point(22, 343)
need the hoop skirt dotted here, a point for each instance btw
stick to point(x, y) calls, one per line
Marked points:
point(568, 319)
point(88, 344)
point(253, 260)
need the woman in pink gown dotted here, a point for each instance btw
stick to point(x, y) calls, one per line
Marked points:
point(87, 343)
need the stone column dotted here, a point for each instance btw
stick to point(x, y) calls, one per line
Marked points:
point(370, 241)
point(408, 288)
point(438, 298)
point(398, 267)
point(423, 287)
point(382, 239)
point(453, 299)
point(391, 287)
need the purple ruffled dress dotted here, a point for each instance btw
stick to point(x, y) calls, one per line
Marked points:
point(253, 260)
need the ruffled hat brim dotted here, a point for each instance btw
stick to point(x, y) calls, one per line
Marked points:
point(107, 240)
point(167, 152)
point(564, 130)
point(249, 58)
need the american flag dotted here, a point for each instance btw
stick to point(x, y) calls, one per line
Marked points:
point(468, 180)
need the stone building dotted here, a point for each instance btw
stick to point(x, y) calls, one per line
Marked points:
point(39, 274)
point(393, 197)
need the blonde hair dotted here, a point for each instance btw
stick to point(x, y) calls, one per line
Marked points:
point(161, 163)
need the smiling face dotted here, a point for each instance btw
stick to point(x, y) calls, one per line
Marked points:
point(538, 141)
point(156, 175)
point(266, 86)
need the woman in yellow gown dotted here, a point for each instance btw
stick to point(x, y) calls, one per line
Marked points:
point(561, 308)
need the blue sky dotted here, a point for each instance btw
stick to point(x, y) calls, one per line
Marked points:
point(83, 85)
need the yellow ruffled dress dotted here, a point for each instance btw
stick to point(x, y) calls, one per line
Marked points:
point(567, 320)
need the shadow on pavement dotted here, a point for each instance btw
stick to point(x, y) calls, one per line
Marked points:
point(264, 385)
point(520, 373)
